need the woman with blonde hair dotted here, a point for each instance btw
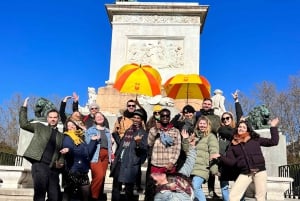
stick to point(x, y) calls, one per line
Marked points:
point(207, 147)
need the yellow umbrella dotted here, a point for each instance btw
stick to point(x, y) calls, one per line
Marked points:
point(187, 86)
point(138, 79)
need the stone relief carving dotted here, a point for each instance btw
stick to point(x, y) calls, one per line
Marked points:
point(156, 100)
point(161, 53)
point(155, 19)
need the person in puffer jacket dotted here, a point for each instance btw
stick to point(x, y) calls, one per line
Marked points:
point(245, 153)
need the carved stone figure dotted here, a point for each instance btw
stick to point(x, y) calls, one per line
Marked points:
point(42, 106)
point(92, 95)
point(158, 99)
point(259, 117)
point(218, 102)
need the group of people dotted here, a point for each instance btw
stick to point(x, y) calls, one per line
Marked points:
point(183, 153)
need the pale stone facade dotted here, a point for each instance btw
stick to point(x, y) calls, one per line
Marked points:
point(163, 35)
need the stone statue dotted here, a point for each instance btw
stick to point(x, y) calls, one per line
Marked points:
point(156, 100)
point(218, 102)
point(92, 95)
point(259, 117)
point(41, 108)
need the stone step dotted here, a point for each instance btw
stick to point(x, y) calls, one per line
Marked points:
point(26, 194)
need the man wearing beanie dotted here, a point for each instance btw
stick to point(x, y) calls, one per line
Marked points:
point(186, 119)
point(130, 155)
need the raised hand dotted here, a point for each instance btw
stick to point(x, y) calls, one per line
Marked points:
point(75, 97)
point(235, 95)
point(138, 138)
point(67, 98)
point(274, 122)
point(184, 134)
point(26, 102)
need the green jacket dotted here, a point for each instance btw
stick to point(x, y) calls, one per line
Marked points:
point(205, 147)
point(41, 136)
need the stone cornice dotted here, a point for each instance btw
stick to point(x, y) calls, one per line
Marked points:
point(158, 9)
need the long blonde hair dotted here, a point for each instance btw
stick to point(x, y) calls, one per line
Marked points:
point(206, 119)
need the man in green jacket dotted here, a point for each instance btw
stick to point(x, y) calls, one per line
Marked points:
point(44, 154)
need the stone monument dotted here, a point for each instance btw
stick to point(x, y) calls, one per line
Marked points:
point(163, 35)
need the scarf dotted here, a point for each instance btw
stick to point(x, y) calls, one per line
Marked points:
point(241, 138)
point(164, 137)
point(76, 136)
point(129, 135)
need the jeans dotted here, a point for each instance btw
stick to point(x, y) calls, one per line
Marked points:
point(197, 186)
point(225, 190)
point(172, 196)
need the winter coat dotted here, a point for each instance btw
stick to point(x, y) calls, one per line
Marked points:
point(41, 136)
point(206, 146)
point(247, 156)
point(225, 134)
point(78, 158)
point(129, 159)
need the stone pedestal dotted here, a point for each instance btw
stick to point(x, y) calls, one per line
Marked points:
point(275, 156)
point(163, 35)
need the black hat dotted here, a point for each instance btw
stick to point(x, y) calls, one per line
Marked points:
point(188, 109)
point(140, 113)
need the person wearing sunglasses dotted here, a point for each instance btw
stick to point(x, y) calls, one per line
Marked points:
point(154, 119)
point(93, 109)
point(165, 143)
point(226, 131)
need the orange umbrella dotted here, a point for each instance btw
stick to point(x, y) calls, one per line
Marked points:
point(187, 86)
point(138, 79)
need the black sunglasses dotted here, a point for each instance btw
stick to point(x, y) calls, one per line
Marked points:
point(225, 118)
point(130, 105)
point(155, 113)
point(165, 115)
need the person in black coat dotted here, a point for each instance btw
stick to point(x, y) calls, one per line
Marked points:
point(130, 155)
point(225, 133)
point(245, 153)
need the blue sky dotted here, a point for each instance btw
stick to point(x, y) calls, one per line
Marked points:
point(55, 47)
